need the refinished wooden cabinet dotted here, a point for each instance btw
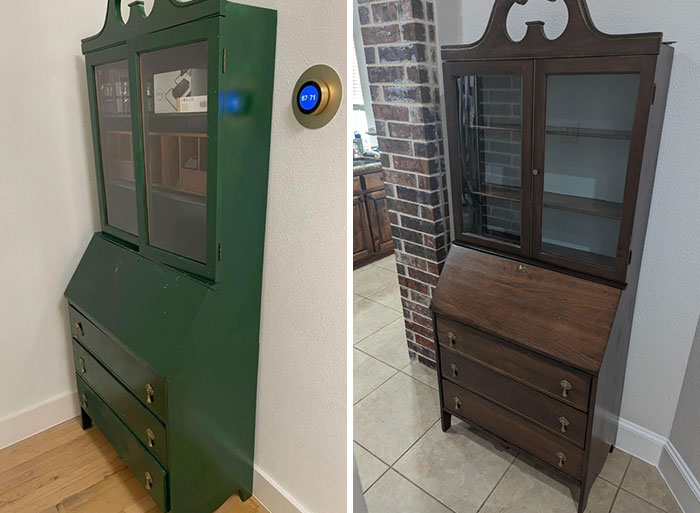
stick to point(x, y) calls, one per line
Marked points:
point(553, 148)
point(372, 238)
point(165, 304)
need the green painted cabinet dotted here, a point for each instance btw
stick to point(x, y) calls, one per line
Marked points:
point(165, 304)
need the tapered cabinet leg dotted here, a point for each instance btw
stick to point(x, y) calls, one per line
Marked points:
point(446, 421)
point(245, 495)
point(582, 501)
point(612, 448)
point(86, 420)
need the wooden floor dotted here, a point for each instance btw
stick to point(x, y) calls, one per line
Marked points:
point(68, 470)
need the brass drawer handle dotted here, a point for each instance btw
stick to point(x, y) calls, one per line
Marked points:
point(458, 403)
point(562, 458)
point(149, 480)
point(452, 337)
point(150, 393)
point(564, 423)
point(83, 401)
point(150, 438)
point(81, 363)
point(565, 387)
point(455, 370)
point(78, 329)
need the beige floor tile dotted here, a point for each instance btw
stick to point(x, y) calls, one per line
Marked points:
point(389, 297)
point(368, 373)
point(388, 263)
point(526, 488)
point(373, 279)
point(369, 467)
point(369, 317)
point(394, 494)
point(628, 503)
point(615, 466)
point(388, 345)
point(459, 467)
point(422, 373)
point(644, 480)
point(393, 417)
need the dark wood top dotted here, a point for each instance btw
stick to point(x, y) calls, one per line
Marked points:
point(555, 314)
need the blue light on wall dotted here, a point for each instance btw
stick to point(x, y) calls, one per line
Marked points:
point(234, 102)
point(309, 97)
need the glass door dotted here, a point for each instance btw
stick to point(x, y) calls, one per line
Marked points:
point(489, 108)
point(586, 125)
point(178, 108)
point(110, 86)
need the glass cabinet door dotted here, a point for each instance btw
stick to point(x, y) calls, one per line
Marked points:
point(492, 120)
point(174, 94)
point(113, 100)
point(588, 132)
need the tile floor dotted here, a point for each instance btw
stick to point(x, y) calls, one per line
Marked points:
point(408, 465)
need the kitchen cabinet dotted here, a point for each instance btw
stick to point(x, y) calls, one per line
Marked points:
point(372, 238)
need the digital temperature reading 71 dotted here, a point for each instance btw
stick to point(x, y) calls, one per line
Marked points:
point(309, 97)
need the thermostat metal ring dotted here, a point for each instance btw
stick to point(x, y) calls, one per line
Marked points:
point(327, 81)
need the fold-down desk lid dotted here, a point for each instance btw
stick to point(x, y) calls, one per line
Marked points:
point(560, 316)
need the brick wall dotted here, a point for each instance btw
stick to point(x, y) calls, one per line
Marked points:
point(401, 55)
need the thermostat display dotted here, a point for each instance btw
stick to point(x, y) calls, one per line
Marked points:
point(309, 97)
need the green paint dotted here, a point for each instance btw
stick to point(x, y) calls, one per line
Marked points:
point(190, 329)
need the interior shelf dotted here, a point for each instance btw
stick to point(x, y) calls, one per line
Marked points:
point(575, 131)
point(498, 126)
point(577, 254)
point(588, 206)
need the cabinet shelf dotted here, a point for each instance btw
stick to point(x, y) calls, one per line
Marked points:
point(588, 206)
point(500, 192)
point(577, 254)
point(498, 126)
point(571, 131)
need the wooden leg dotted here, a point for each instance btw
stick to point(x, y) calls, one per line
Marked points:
point(582, 501)
point(612, 448)
point(86, 420)
point(446, 421)
point(245, 495)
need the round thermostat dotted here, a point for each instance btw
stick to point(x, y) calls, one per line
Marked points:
point(317, 96)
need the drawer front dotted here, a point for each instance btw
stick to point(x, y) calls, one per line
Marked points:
point(144, 466)
point(514, 429)
point(534, 370)
point(559, 418)
point(145, 383)
point(374, 180)
point(356, 185)
point(142, 423)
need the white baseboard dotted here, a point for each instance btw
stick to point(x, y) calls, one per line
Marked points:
point(37, 418)
point(640, 442)
point(680, 479)
point(271, 495)
point(660, 452)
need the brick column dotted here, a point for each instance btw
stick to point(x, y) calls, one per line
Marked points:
point(401, 54)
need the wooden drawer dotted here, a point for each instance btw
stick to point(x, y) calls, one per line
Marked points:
point(542, 409)
point(142, 423)
point(374, 180)
point(136, 374)
point(144, 466)
point(513, 429)
point(518, 363)
point(356, 186)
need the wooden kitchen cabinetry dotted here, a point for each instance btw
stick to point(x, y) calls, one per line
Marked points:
point(371, 226)
point(553, 150)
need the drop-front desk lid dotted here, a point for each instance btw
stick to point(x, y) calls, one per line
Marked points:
point(560, 316)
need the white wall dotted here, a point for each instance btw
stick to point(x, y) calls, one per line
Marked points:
point(48, 206)
point(48, 211)
point(668, 301)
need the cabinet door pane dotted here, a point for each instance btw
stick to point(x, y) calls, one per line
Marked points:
point(590, 119)
point(114, 118)
point(490, 123)
point(174, 95)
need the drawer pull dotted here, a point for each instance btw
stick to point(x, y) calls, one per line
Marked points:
point(562, 458)
point(564, 423)
point(149, 480)
point(458, 403)
point(81, 362)
point(78, 329)
point(150, 438)
point(452, 337)
point(150, 393)
point(455, 370)
point(83, 401)
point(565, 387)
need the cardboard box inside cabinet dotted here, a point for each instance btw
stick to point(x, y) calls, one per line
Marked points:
point(173, 86)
